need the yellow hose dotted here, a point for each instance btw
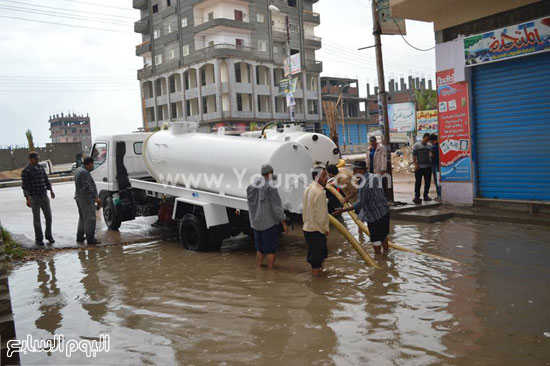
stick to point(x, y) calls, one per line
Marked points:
point(354, 243)
point(341, 163)
point(365, 229)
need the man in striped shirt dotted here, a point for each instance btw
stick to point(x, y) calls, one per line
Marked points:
point(372, 206)
point(266, 213)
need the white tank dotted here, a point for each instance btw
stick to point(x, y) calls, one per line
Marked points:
point(226, 164)
point(320, 147)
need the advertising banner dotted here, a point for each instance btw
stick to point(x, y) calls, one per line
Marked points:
point(287, 86)
point(402, 117)
point(295, 65)
point(517, 40)
point(426, 122)
point(455, 150)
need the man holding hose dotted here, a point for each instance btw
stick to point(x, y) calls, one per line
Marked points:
point(372, 206)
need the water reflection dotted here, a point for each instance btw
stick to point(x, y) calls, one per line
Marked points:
point(51, 302)
point(96, 293)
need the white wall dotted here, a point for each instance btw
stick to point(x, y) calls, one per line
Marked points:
point(450, 55)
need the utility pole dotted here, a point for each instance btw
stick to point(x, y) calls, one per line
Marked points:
point(291, 108)
point(382, 97)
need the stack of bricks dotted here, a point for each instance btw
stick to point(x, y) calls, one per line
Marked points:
point(7, 325)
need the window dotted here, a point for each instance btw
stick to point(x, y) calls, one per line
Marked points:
point(183, 22)
point(239, 102)
point(170, 28)
point(211, 44)
point(260, 18)
point(210, 16)
point(238, 73)
point(292, 3)
point(156, 33)
point(158, 59)
point(168, 3)
point(238, 15)
point(171, 54)
point(138, 148)
point(155, 8)
point(239, 42)
point(99, 153)
point(262, 46)
point(186, 50)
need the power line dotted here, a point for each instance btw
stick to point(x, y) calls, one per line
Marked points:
point(64, 15)
point(407, 42)
point(63, 24)
point(99, 5)
point(65, 9)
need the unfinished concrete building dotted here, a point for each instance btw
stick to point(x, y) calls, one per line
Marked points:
point(71, 127)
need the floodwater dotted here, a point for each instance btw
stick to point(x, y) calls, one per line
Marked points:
point(161, 304)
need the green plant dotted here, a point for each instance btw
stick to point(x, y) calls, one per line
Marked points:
point(11, 248)
point(426, 99)
point(30, 140)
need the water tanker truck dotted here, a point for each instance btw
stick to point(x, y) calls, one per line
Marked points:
point(197, 180)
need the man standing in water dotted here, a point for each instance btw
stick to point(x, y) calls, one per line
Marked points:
point(266, 213)
point(315, 218)
point(85, 196)
point(373, 207)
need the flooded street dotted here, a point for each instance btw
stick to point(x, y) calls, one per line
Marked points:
point(161, 304)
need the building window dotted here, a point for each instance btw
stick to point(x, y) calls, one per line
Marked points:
point(292, 3)
point(155, 8)
point(238, 15)
point(186, 50)
point(168, 3)
point(210, 16)
point(158, 59)
point(262, 47)
point(171, 54)
point(239, 102)
point(156, 33)
point(183, 22)
point(260, 18)
point(170, 28)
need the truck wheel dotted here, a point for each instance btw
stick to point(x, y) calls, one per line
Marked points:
point(193, 233)
point(109, 214)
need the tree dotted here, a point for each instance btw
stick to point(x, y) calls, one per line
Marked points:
point(30, 140)
point(426, 99)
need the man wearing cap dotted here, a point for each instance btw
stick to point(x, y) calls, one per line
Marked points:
point(372, 206)
point(85, 196)
point(315, 217)
point(35, 184)
point(265, 209)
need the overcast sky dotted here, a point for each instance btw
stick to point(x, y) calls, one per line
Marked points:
point(50, 68)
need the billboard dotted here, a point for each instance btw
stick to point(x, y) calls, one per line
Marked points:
point(295, 65)
point(514, 41)
point(402, 117)
point(455, 150)
point(426, 122)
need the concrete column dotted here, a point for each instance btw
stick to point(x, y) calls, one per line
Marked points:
point(168, 98)
point(7, 325)
point(155, 114)
point(218, 76)
point(254, 96)
point(184, 101)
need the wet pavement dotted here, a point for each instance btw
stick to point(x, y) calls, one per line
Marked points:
point(164, 305)
point(16, 217)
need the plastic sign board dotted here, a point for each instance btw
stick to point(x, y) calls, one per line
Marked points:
point(402, 117)
point(295, 65)
point(426, 122)
point(505, 43)
point(388, 24)
point(288, 86)
point(455, 150)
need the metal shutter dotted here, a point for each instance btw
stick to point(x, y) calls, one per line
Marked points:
point(363, 132)
point(512, 128)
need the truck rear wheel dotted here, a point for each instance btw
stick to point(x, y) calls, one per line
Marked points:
point(110, 215)
point(193, 233)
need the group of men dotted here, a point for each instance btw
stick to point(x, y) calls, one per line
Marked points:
point(267, 217)
point(426, 163)
point(35, 184)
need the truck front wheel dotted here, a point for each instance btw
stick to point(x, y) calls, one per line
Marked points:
point(110, 215)
point(193, 233)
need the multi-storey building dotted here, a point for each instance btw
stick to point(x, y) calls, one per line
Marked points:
point(71, 128)
point(220, 62)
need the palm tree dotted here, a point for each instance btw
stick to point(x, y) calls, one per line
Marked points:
point(426, 99)
point(30, 140)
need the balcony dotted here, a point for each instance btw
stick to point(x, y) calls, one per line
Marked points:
point(144, 73)
point(223, 22)
point(139, 4)
point(143, 48)
point(311, 17)
point(142, 26)
point(314, 66)
point(220, 50)
point(312, 42)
